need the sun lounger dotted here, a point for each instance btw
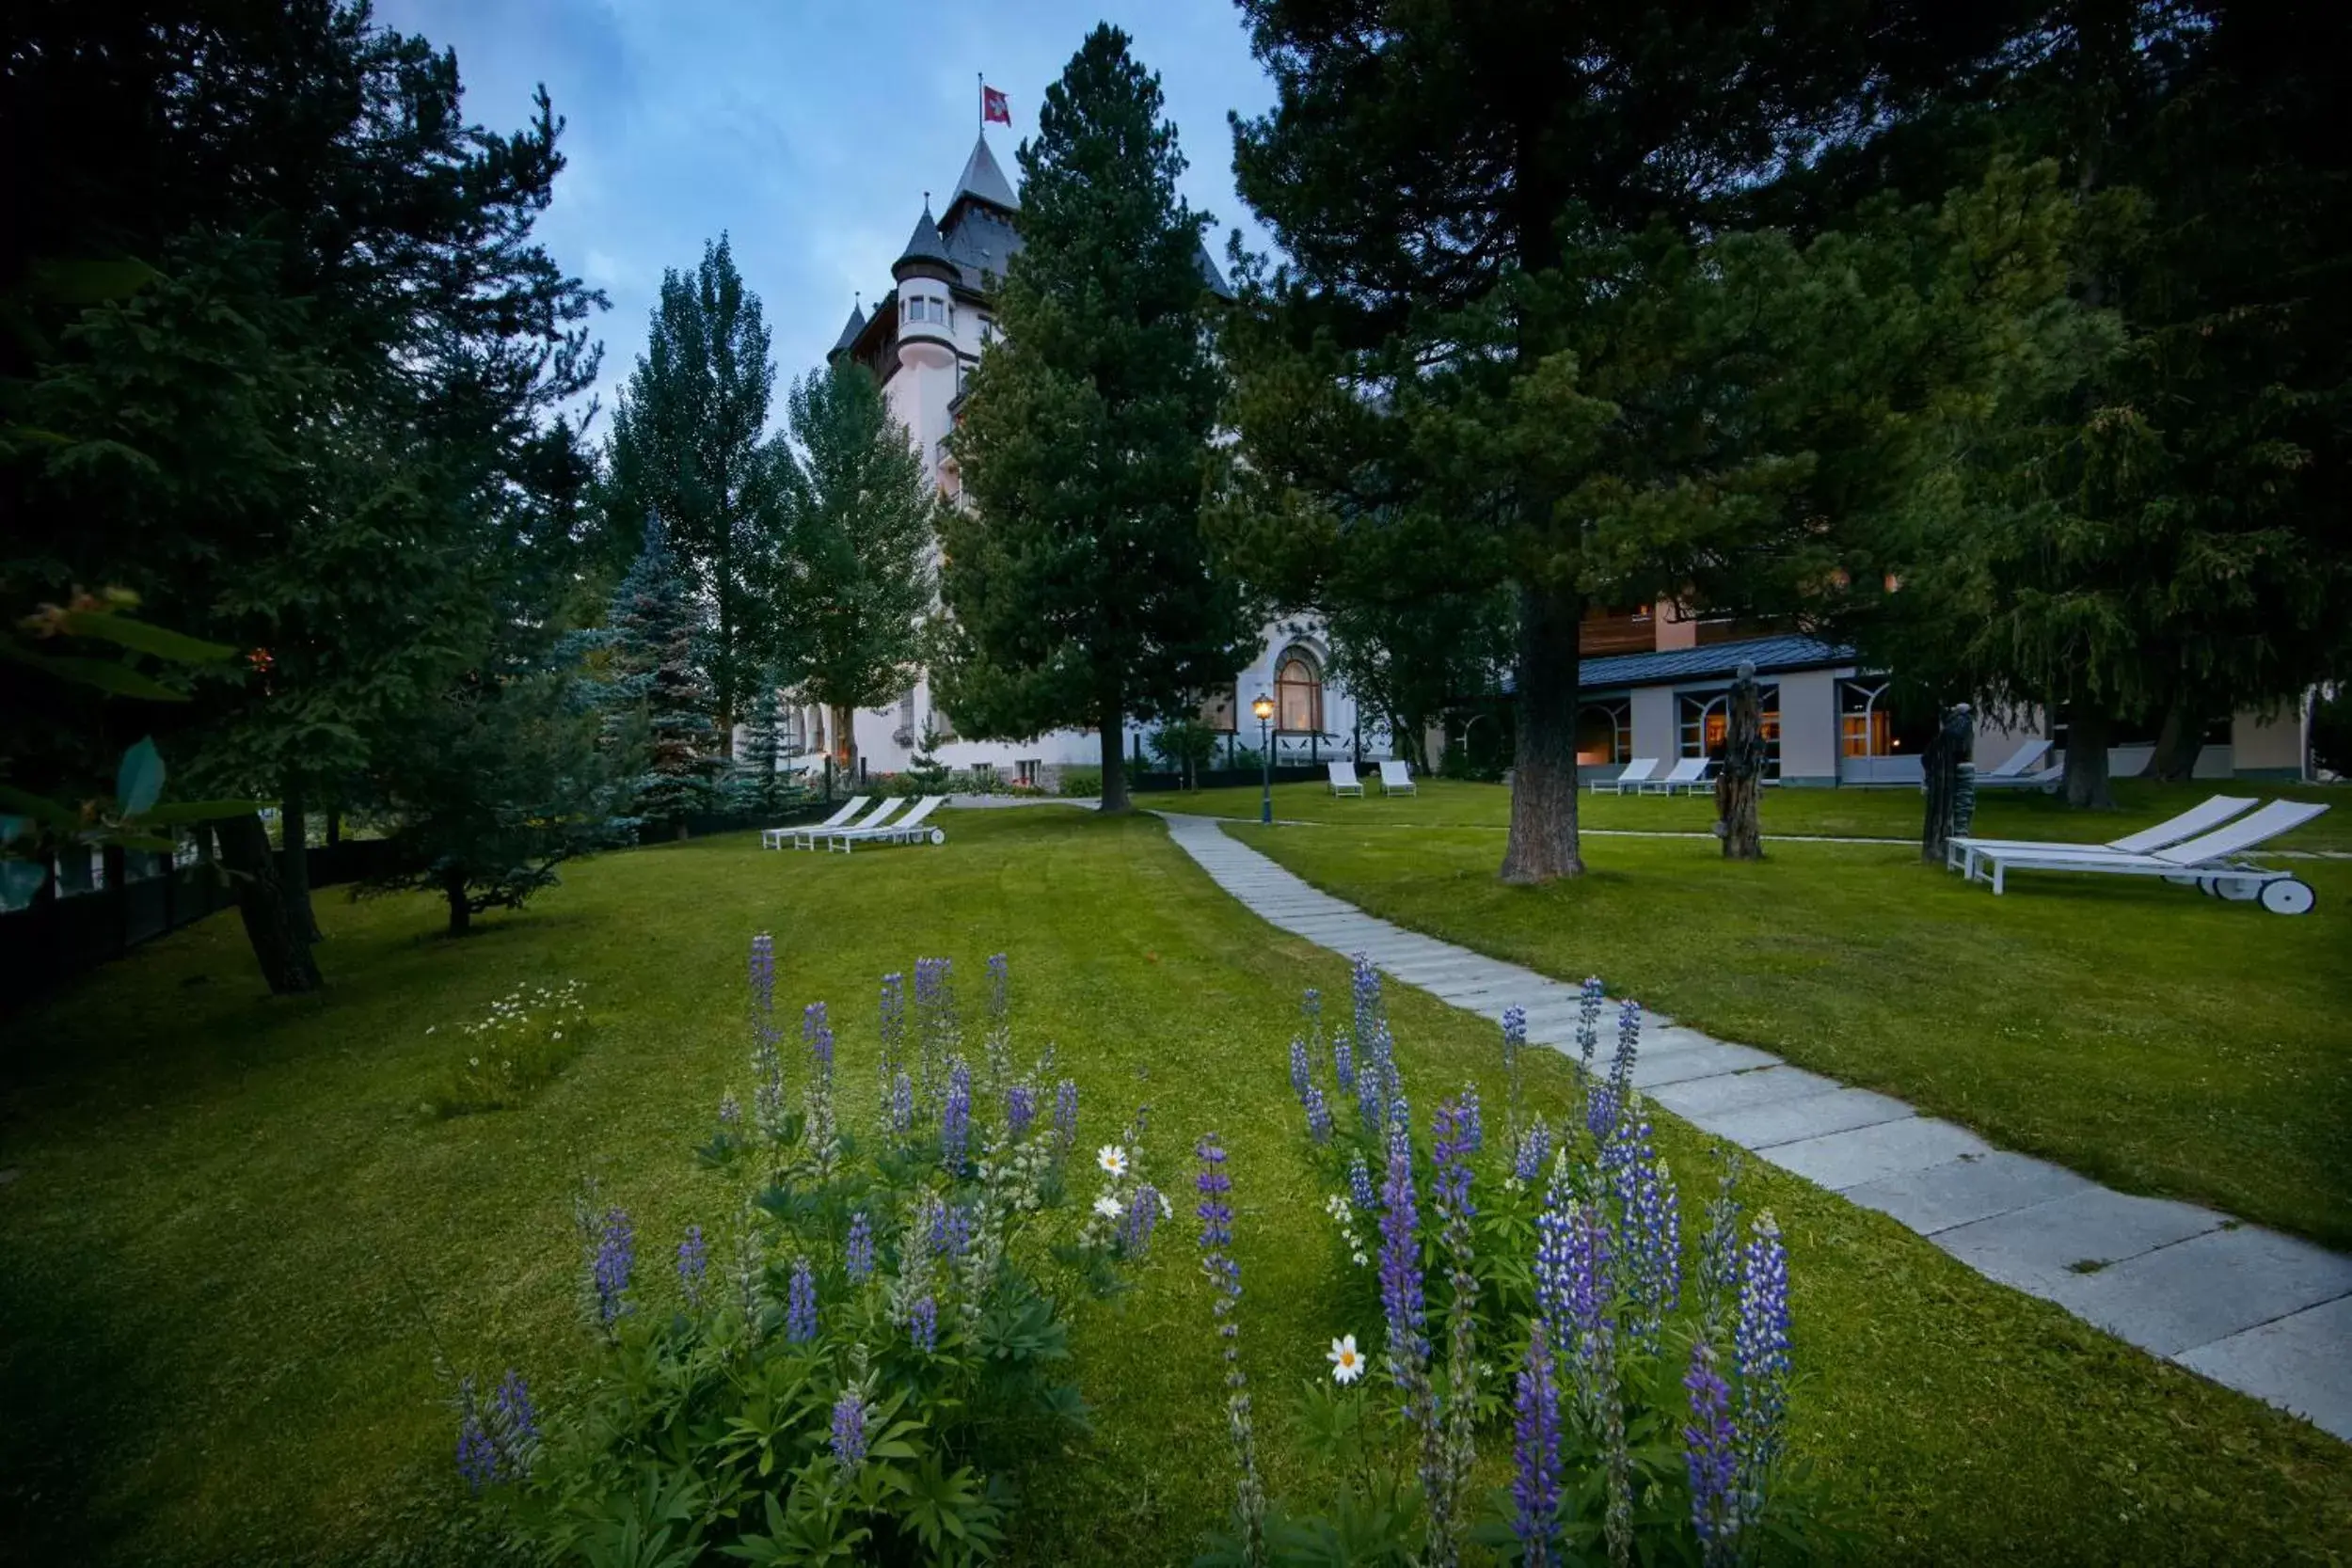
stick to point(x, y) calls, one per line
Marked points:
point(1633, 773)
point(772, 838)
point(907, 829)
point(1689, 773)
point(2211, 861)
point(2012, 775)
point(1396, 778)
point(1344, 779)
point(1960, 853)
point(806, 838)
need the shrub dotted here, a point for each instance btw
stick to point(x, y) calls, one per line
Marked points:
point(1646, 1420)
point(849, 1362)
point(526, 1038)
point(1080, 782)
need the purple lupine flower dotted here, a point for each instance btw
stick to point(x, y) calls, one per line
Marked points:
point(894, 1034)
point(955, 1118)
point(693, 1259)
point(763, 975)
point(951, 1230)
point(730, 1112)
point(1020, 1110)
point(857, 1250)
point(767, 1064)
point(1318, 1114)
point(848, 1430)
point(1400, 1267)
point(1649, 1242)
point(1514, 1033)
point(477, 1456)
point(1302, 1077)
point(819, 1034)
point(514, 1426)
point(1760, 1350)
point(1372, 1100)
point(1534, 1153)
point(1536, 1489)
point(1588, 1002)
point(800, 1306)
point(617, 1253)
point(1343, 1062)
point(1364, 983)
point(1573, 1274)
point(922, 1325)
point(1136, 1221)
point(1215, 1211)
point(1710, 1451)
point(1360, 1189)
point(1454, 1136)
point(1310, 1003)
point(1066, 1114)
point(901, 1105)
point(999, 970)
point(1628, 1040)
point(934, 1021)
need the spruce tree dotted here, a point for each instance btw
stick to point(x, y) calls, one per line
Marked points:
point(1077, 585)
point(861, 524)
point(653, 634)
point(690, 446)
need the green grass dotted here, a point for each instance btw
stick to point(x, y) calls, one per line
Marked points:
point(231, 1220)
point(2155, 1040)
point(1837, 813)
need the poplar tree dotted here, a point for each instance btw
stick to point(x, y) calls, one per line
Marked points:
point(689, 446)
point(862, 523)
point(1077, 585)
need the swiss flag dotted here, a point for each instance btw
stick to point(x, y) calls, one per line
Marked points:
point(995, 107)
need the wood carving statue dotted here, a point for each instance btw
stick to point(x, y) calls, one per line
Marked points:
point(1946, 810)
point(1740, 777)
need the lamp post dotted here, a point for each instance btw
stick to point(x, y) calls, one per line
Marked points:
point(1263, 708)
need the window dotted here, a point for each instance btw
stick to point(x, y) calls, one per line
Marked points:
point(1706, 721)
point(924, 308)
point(1604, 731)
point(1866, 725)
point(1297, 694)
point(1026, 769)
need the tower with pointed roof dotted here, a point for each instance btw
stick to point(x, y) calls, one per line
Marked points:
point(920, 340)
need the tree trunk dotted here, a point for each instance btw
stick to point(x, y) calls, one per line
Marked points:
point(1543, 845)
point(334, 827)
point(281, 943)
point(2178, 741)
point(1941, 783)
point(294, 860)
point(460, 913)
point(1114, 757)
point(2087, 738)
point(1740, 776)
point(845, 743)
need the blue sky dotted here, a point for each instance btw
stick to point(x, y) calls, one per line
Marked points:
point(807, 129)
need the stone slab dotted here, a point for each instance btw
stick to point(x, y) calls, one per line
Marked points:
point(1963, 1191)
point(1698, 1061)
point(2037, 1248)
point(2208, 1288)
point(1813, 1115)
point(1731, 1091)
point(2302, 1363)
point(1844, 1160)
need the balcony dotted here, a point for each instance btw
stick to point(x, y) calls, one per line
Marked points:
point(1605, 632)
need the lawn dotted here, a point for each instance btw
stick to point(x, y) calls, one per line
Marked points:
point(1835, 813)
point(235, 1241)
point(2159, 1041)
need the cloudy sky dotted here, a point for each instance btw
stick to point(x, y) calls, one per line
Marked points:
point(807, 129)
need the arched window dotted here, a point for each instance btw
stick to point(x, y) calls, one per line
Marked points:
point(1297, 694)
point(1604, 731)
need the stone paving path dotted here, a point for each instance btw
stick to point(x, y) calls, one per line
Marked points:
point(2262, 1313)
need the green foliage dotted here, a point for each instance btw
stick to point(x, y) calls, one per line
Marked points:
point(656, 681)
point(1183, 746)
point(863, 520)
point(1077, 586)
point(1079, 783)
point(500, 1059)
point(760, 785)
point(689, 449)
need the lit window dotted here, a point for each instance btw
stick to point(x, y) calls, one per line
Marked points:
point(1866, 727)
point(1705, 724)
point(1298, 694)
point(1604, 732)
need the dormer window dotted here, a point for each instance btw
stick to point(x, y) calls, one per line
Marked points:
point(925, 308)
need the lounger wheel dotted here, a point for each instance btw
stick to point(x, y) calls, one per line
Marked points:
point(2238, 890)
point(2288, 896)
point(939, 835)
point(2204, 885)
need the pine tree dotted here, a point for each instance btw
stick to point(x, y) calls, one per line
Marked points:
point(758, 783)
point(862, 522)
point(1077, 586)
point(654, 626)
point(690, 446)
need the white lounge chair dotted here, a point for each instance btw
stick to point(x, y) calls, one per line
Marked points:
point(805, 838)
point(2012, 775)
point(907, 829)
point(1633, 773)
point(1689, 773)
point(772, 838)
point(1960, 853)
point(1396, 778)
point(1344, 779)
point(2211, 861)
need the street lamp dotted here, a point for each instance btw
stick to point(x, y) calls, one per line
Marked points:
point(1263, 708)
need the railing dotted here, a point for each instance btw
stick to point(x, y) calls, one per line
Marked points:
point(1599, 635)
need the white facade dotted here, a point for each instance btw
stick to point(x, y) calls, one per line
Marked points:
point(922, 339)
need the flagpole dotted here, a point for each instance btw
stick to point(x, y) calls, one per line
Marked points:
point(980, 79)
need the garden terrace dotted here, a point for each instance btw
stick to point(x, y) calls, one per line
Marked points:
point(238, 1239)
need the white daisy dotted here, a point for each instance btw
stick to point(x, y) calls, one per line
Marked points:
point(1112, 1158)
point(1347, 1362)
point(1106, 1206)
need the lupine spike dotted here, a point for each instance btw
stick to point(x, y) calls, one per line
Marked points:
point(1536, 1489)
